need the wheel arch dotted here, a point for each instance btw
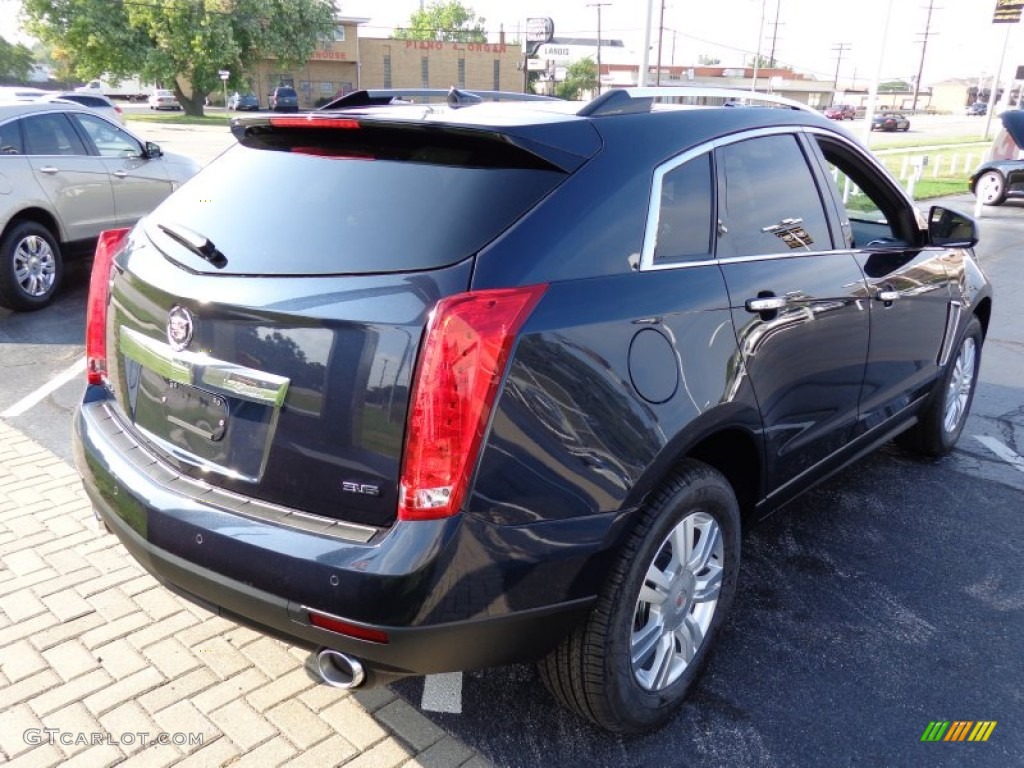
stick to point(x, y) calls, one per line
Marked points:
point(39, 216)
point(730, 447)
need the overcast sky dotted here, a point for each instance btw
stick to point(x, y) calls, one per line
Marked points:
point(963, 41)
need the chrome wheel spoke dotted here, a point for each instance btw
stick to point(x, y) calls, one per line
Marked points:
point(656, 586)
point(690, 635)
point(682, 542)
point(664, 654)
point(701, 554)
point(708, 585)
point(645, 641)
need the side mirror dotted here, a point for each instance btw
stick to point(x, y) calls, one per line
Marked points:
point(950, 229)
point(153, 150)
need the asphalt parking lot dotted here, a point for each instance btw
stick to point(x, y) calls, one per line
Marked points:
point(890, 597)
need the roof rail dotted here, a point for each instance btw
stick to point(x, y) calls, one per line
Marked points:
point(621, 101)
point(382, 97)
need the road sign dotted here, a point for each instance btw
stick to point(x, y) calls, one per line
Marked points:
point(224, 74)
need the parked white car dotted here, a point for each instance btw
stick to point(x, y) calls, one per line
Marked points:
point(69, 173)
point(163, 99)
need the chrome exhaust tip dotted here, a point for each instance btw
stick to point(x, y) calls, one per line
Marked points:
point(339, 670)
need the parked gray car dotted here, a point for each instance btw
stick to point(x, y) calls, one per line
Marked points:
point(66, 174)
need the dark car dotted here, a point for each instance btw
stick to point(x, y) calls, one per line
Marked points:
point(890, 121)
point(504, 392)
point(1001, 176)
point(284, 99)
point(977, 109)
point(243, 102)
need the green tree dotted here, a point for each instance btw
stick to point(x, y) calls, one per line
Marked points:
point(708, 61)
point(15, 60)
point(178, 42)
point(580, 76)
point(895, 86)
point(445, 20)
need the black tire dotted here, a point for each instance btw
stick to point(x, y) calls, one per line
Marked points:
point(31, 268)
point(593, 671)
point(940, 424)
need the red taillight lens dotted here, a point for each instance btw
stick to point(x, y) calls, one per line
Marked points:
point(96, 309)
point(314, 121)
point(465, 350)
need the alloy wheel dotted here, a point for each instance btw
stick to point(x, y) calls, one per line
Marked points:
point(958, 392)
point(35, 266)
point(677, 601)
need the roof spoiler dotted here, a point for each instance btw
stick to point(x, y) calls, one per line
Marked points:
point(454, 97)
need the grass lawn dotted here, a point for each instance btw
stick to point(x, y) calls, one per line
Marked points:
point(177, 118)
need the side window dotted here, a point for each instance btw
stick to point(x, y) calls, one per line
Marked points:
point(684, 218)
point(874, 212)
point(10, 138)
point(51, 134)
point(769, 201)
point(110, 140)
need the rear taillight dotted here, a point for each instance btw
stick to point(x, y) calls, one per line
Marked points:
point(96, 309)
point(314, 121)
point(468, 341)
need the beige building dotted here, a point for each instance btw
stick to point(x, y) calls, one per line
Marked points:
point(348, 62)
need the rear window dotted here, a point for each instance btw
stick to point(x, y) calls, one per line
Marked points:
point(325, 201)
point(285, 92)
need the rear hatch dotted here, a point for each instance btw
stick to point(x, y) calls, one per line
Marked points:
point(265, 320)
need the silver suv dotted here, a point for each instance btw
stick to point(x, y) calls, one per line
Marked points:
point(67, 174)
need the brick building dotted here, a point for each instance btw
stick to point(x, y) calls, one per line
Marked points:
point(348, 62)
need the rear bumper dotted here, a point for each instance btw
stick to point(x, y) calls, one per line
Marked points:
point(432, 586)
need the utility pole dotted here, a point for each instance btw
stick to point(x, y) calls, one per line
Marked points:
point(661, 35)
point(840, 49)
point(757, 56)
point(599, 6)
point(924, 46)
point(775, 33)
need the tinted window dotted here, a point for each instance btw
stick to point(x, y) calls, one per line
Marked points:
point(51, 134)
point(354, 202)
point(684, 221)
point(10, 139)
point(88, 101)
point(285, 93)
point(110, 141)
point(770, 203)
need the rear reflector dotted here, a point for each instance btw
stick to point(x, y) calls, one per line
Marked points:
point(96, 310)
point(345, 628)
point(313, 121)
point(468, 341)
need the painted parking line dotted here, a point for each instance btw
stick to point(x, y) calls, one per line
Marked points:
point(443, 693)
point(1002, 451)
point(45, 391)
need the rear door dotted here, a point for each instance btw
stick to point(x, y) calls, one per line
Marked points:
point(799, 307)
point(139, 183)
point(76, 181)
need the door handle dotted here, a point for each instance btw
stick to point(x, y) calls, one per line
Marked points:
point(888, 295)
point(766, 304)
point(121, 174)
point(50, 169)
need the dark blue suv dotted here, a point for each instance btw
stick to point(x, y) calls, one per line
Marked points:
point(434, 389)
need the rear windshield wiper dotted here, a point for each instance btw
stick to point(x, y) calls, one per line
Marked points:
point(201, 246)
